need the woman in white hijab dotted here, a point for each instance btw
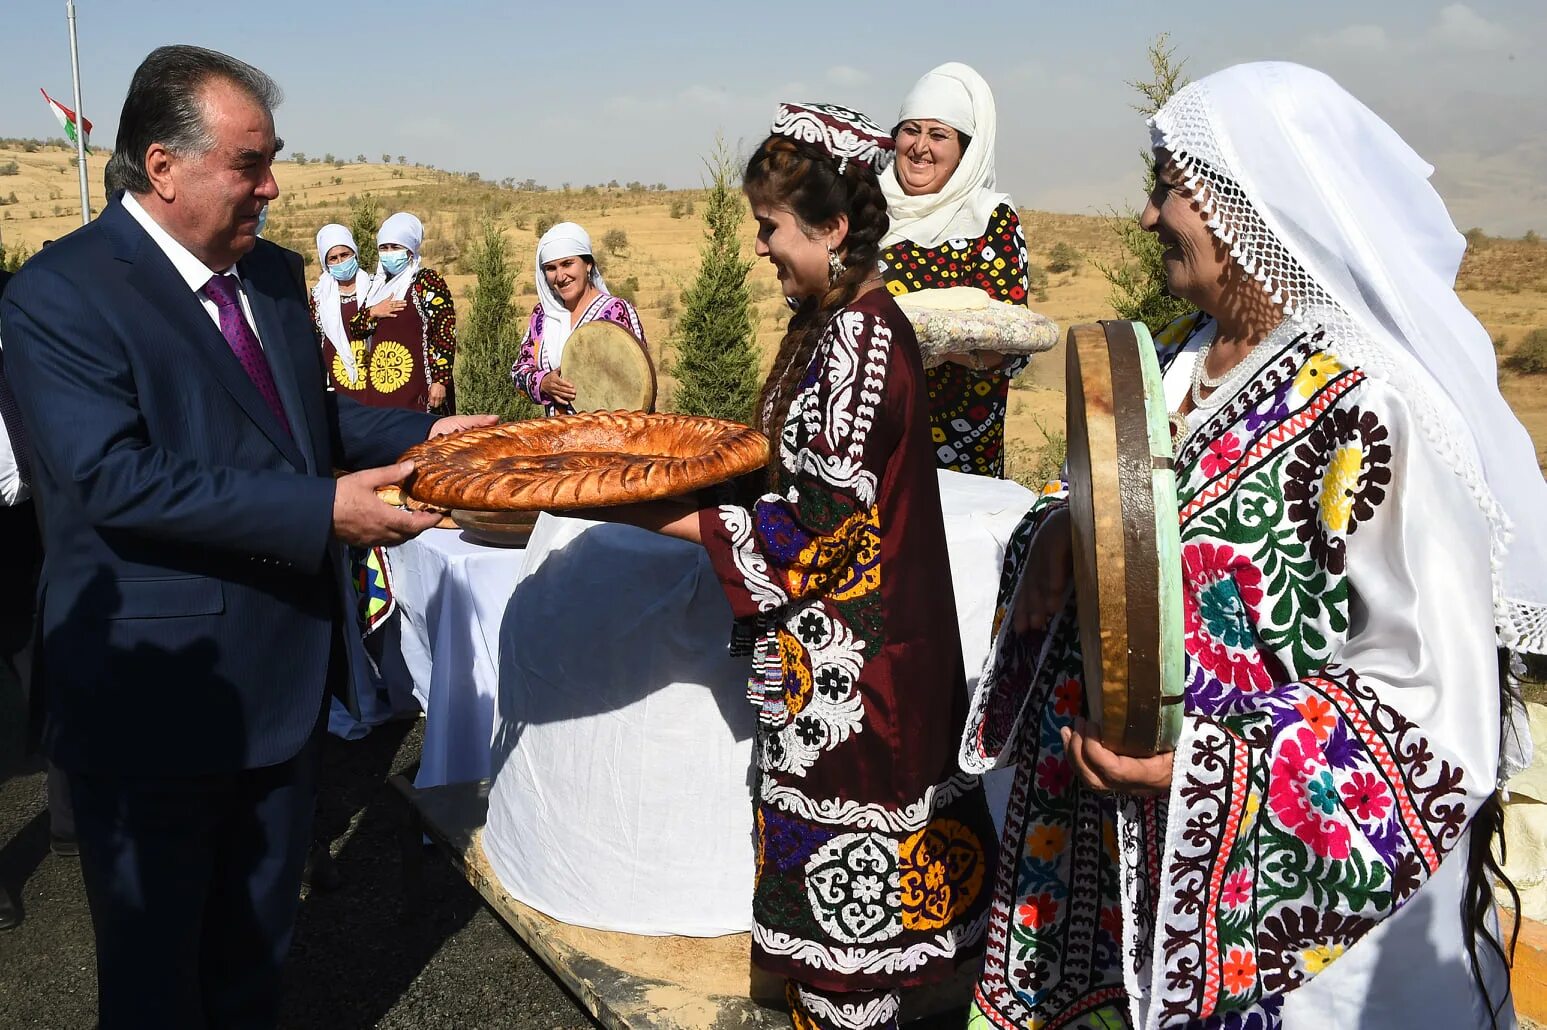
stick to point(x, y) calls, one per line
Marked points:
point(1361, 531)
point(951, 228)
point(411, 323)
point(335, 298)
point(571, 292)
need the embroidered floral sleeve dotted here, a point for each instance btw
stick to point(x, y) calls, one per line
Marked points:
point(1341, 721)
point(526, 373)
point(361, 325)
point(440, 323)
point(1342, 718)
point(807, 540)
point(1003, 276)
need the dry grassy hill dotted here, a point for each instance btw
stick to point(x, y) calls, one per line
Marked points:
point(1503, 281)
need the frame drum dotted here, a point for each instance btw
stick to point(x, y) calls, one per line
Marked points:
point(1126, 537)
point(609, 368)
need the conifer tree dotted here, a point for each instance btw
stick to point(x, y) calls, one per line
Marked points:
point(1138, 281)
point(717, 363)
point(489, 339)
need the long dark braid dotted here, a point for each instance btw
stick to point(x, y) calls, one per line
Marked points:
point(804, 178)
point(1485, 868)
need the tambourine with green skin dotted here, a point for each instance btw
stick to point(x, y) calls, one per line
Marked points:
point(1126, 537)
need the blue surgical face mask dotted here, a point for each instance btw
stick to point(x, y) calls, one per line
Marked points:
point(263, 218)
point(394, 261)
point(344, 270)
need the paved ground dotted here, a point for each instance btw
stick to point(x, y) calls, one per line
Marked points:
point(356, 962)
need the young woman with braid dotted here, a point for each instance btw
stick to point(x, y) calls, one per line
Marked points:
point(874, 852)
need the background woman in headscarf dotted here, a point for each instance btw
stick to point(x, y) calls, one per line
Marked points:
point(571, 292)
point(411, 322)
point(950, 228)
point(1313, 852)
point(335, 298)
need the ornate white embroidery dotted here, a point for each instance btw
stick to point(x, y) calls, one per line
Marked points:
point(749, 562)
point(853, 814)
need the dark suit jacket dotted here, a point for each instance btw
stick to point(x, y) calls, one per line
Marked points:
point(192, 589)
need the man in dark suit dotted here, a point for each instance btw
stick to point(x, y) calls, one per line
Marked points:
point(193, 593)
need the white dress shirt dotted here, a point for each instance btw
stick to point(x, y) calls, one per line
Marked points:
point(194, 272)
point(13, 490)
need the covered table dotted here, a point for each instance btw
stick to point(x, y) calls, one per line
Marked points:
point(621, 757)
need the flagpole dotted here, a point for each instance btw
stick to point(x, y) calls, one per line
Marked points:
point(80, 116)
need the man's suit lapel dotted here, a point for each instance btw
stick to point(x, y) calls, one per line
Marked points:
point(282, 358)
point(154, 276)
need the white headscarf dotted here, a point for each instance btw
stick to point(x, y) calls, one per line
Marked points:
point(563, 240)
point(406, 230)
point(1333, 213)
point(956, 95)
point(325, 293)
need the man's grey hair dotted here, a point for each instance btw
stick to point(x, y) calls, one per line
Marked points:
point(165, 106)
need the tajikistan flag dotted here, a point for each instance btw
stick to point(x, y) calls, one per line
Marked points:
point(67, 119)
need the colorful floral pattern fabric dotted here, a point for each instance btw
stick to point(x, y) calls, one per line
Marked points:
point(967, 407)
point(873, 851)
point(532, 367)
point(1306, 806)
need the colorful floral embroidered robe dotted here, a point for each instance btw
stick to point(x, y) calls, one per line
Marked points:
point(1341, 726)
point(533, 366)
point(967, 406)
point(874, 852)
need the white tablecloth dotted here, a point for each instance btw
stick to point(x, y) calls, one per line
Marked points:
point(622, 742)
point(452, 593)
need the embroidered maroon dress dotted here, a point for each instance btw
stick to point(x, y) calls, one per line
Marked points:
point(874, 851)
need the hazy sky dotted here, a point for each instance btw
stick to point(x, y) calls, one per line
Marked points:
point(587, 92)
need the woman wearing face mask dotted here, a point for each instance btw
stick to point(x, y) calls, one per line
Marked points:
point(411, 322)
point(572, 292)
point(950, 228)
point(334, 300)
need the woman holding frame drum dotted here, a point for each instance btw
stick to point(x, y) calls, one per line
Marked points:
point(571, 292)
point(1315, 851)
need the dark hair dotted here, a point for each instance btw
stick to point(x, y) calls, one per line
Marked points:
point(804, 178)
point(165, 105)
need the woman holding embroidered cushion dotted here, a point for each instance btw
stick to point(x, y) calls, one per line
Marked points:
point(411, 324)
point(571, 292)
point(874, 851)
point(335, 298)
point(950, 228)
point(1313, 853)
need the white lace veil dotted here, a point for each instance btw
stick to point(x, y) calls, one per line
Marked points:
point(1333, 213)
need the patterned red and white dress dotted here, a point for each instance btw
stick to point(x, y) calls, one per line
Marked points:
point(966, 406)
point(1341, 727)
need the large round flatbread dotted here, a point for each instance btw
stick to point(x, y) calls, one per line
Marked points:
point(609, 368)
point(954, 319)
point(588, 460)
point(1126, 537)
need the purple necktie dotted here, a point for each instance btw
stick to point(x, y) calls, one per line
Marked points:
point(244, 343)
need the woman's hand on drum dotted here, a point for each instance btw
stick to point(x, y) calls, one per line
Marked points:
point(1105, 770)
point(556, 388)
point(386, 308)
point(1045, 579)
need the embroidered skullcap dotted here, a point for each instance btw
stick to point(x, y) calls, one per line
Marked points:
point(845, 134)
